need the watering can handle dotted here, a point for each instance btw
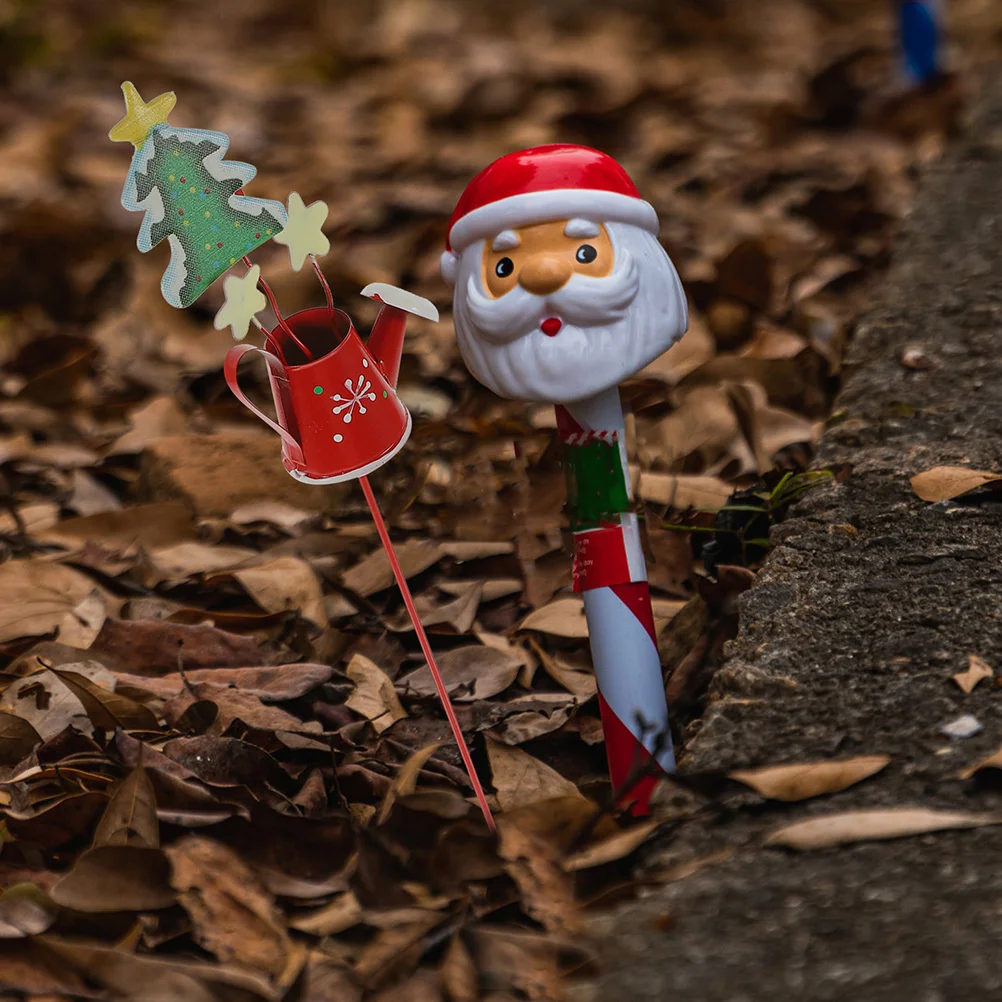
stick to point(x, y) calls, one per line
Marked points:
point(233, 358)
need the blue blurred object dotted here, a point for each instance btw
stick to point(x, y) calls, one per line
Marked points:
point(920, 24)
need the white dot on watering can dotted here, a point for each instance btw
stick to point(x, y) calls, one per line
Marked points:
point(365, 363)
point(339, 438)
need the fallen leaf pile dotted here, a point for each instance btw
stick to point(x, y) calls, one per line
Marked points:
point(224, 772)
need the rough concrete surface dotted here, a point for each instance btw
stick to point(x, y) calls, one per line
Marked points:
point(868, 604)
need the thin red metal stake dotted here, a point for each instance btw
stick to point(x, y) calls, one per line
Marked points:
point(443, 695)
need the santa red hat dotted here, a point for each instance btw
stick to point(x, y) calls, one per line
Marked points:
point(560, 181)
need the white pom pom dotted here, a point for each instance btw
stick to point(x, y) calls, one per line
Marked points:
point(450, 267)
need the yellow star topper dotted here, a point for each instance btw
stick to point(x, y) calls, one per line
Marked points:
point(140, 117)
point(304, 234)
point(243, 300)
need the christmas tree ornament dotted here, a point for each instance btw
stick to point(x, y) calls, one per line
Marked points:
point(337, 412)
point(243, 302)
point(561, 291)
point(303, 234)
point(920, 31)
point(191, 197)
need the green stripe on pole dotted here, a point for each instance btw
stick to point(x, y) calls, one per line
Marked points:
point(596, 483)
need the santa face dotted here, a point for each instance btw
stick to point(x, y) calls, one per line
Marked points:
point(560, 311)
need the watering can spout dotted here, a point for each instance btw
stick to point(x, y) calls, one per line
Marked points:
point(386, 342)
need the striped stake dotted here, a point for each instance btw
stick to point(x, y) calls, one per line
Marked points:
point(611, 575)
point(920, 30)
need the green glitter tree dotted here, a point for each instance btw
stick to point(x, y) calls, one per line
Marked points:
point(192, 197)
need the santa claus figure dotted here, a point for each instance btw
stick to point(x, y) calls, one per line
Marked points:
point(561, 291)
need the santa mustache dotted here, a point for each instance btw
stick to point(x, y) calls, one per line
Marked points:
point(583, 301)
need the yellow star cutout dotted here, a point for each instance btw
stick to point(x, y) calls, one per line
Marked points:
point(243, 300)
point(303, 234)
point(140, 117)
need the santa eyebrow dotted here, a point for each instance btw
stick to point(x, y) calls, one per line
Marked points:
point(505, 240)
point(579, 228)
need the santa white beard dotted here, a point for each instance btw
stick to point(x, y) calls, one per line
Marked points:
point(611, 327)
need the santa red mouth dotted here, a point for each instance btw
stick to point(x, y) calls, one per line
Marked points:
point(551, 326)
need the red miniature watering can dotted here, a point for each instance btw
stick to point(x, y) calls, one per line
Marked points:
point(338, 414)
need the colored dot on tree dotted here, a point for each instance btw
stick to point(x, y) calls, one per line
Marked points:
point(318, 390)
point(207, 214)
point(182, 179)
point(233, 260)
point(207, 191)
point(180, 212)
point(186, 222)
point(219, 243)
point(192, 189)
point(237, 223)
point(268, 232)
point(208, 246)
point(198, 278)
point(176, 153)
point(257, 236)
point(171, 177)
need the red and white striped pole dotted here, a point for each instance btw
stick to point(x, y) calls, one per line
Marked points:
point(611, 574)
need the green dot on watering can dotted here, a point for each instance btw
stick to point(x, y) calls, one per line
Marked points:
point(385, 394)
point(318, 389)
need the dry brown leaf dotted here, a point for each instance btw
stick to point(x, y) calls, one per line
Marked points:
point(463, 550)
point(877, 823)
point(47, 703)
point(113, 878)
point(696, 347)
point(944, 482)
point(458, 973)
point(37, 597)
point(106, 708)
point(683, 491)
point(460, 613)
point(579, 680)
point(233, 916)
point(17, 738)
point(405, 781)
point(35, 518)
point(374, 574)
point(185, 559)
point(993, 761)
point(470, 673)
point(564, 617)
point(977, 671)
point(25, 910)
point(520, 779)
point(547, 889)
point(374, 696)
point(532, 716)
point(131, 815)
point(285, 584)
point(151, 525)
point(342, 913)
point(157, 417)
point(610, 849)
point(803, 780)
point(270, 684)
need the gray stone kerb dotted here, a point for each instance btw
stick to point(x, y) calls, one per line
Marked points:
point(869, 602)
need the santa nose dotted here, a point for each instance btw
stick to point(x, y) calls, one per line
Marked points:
point(545, 273)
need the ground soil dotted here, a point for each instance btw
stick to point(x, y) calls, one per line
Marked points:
point(869, 602)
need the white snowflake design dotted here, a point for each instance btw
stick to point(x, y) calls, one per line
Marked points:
point(357, 397)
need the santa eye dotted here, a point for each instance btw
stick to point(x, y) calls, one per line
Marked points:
point(586, 254)
point(504, 267)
